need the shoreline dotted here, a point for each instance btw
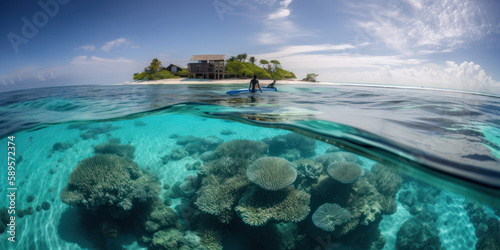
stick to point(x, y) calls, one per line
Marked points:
point(223, 81)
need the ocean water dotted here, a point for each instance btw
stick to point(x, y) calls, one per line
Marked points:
point(307, 167)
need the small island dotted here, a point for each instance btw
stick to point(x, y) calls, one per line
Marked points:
point(215, 67)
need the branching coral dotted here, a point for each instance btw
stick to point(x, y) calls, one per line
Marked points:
point(108, 182)
point(308, 169)
point(328, 215)
point(218, 196)
point(170, 239)
point(258, 206)
point(224, 166)
point(345, 172)
point(271, 173)
point(386, 180)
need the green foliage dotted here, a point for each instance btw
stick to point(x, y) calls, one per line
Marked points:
point(183, 73)
point(141, 76)
point(155, 65)
point(252, 59)
point(242, 57)
point(311, 77)
point(155, 72)
point(264, 62)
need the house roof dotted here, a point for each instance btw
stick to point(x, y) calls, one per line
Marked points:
point(178, 66)
point(207, 57)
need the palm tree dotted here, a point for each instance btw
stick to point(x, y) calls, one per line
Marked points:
point(242, 57)
point(264, 63)
point(155, 65)
point(276, 64)
point(252, 59)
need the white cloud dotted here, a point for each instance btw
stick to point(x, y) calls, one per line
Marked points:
point(278, 26)
point(334, 63)
point(282, 13)
point(94, 60)
point(87, 47)
point(428, 25)
point(80, 70)
point(465, 76)
point(115, 43)
point(41, 78)
point(293, 50)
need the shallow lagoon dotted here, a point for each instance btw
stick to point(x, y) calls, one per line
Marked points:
point(199, 194)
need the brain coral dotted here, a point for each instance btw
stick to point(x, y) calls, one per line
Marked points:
point(271, 173)
point(345, 172)
point(108, 182)
point(258, 206)
point(328, 215)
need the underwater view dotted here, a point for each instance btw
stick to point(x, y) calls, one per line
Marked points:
point(306, 167)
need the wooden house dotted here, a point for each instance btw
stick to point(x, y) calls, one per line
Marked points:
point(174, 68)
point(207, 66)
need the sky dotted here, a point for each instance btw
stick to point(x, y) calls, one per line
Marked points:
point(453, 44)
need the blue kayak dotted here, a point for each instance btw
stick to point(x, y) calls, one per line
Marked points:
point(234, 92)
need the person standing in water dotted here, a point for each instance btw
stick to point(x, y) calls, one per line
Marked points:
point(254, 84)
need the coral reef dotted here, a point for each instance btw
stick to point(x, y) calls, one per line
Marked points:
point(246, 149)
point(170, 239)
point(45, 205)
point(487, 229)
point(115, 149)
point(345, 172)
point(196, 145)
point(328, 215)
point(308, 173)
point(291, 146)
point(61, 146)
point(386, 179)
point(217, 196)
point(329, 158)
point(224, 166)
point(419, 232)
point(110, 183)
point(363, 199)
point(271, 173)
point(259, 206)
point(92, 133)
point(109, 229)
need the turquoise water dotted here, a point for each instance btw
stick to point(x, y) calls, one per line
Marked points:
point(217, 171)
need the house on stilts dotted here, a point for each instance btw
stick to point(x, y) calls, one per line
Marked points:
point(207, 66)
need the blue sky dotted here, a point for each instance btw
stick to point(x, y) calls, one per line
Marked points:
point(446, 44)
